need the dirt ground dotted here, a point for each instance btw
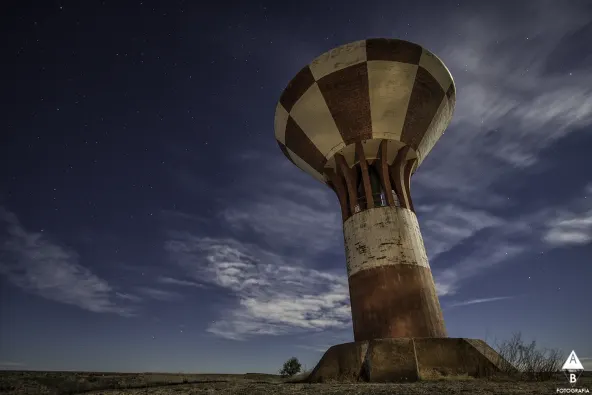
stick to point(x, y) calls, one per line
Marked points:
point(68, 383)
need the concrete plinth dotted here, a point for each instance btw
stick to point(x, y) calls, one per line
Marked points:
point(406, 359)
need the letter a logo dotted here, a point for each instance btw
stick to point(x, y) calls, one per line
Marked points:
point(572, 363)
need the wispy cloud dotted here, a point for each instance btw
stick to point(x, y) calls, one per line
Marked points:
point(175, 281)
point(502, 240)
point(448, 224)
point(130, 297)
point(287, 222)
point(479, 240)
point(546, 105)
point(478, 301)
point(571, 223)
point(488, 253)
point(159, 294)
point(32, 262)
point(315, 195)
point(511, 103)
point(274, 296)
point(275, 293)
point(570, 228)
point(314, 348)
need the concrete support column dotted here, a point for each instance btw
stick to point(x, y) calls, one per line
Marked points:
point(338, 186)
point(409, 167)
point(365, 176)
point(383, 170)
point(398, 176)
point(350, 181)
point(392, 290)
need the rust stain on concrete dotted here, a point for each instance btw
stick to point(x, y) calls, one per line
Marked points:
point(395, 301)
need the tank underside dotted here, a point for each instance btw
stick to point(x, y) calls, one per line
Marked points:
point(382, 179)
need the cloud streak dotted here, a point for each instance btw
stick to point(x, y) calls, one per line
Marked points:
point(32, 262)
point(274, 296)
point(448, 224)
point(500, 240)
point(314, 348)
point(287, 222)
point(570, 228)
point(488, 253)
point(175, 281)
point(159, 294)
point(510, 106)
point(479, 301)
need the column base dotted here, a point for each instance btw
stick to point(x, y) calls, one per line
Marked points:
point(406, 360)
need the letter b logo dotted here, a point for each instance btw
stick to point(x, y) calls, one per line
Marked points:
point(572, 378)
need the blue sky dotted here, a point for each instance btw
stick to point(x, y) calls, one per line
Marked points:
point(148, 221)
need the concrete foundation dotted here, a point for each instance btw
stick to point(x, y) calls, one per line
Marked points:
point(406, 360)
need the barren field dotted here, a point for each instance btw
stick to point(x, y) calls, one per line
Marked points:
point(66, 383)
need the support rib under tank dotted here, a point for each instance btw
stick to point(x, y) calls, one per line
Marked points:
point(391, 286)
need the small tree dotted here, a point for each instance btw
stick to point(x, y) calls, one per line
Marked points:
point(291, 367)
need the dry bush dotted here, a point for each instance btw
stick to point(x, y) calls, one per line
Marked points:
point(526, 361)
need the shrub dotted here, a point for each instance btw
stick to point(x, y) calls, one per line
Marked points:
point(526, 361)
point(291, 367)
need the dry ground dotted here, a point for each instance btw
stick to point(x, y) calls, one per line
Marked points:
point(66, 383)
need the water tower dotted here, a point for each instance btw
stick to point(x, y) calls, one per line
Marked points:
point(361, 119)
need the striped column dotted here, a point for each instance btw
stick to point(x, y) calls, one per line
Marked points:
point(392, 290)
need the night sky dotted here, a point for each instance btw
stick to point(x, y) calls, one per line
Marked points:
point(149, 221)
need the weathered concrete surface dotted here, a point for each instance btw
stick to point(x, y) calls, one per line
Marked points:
point(402, 360)
point(383, 236)
point(456, 357)
point(344, 361)
point(395, 302)
point(392, 290)
point(391, 360)
point(488, 352)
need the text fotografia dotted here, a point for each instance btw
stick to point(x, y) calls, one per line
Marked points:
point(572, 391)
